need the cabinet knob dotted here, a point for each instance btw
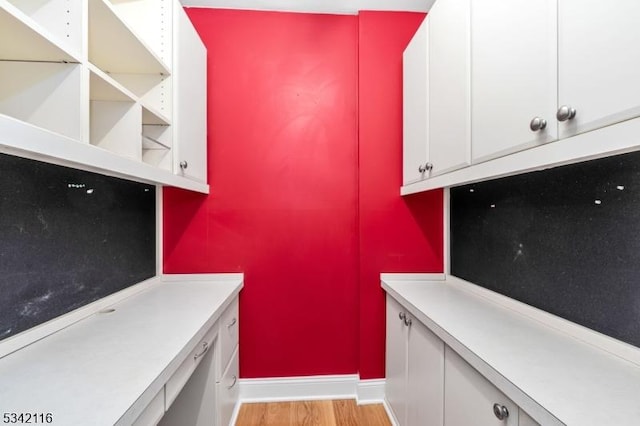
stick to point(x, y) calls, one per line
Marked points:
point(407, 321)
point(537, 124)
point(500, 411)
point(426, 168)
point(402, 316)
point(184, 164)
point(565, 113)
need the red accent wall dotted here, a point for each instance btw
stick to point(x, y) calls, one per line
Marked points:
point(282, 140)
point(305, 176)
point(397, 234)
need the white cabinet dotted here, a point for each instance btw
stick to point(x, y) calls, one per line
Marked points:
point(514, 78)
point(91, 84)
point(470, 399)
point(190, 96)
point(415, 106)
point(414, 369)
point(599, 61)
point(449, 114)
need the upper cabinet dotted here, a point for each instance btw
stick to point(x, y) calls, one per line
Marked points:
point(415, 106)
point(449, 115)
point(436, 103)
point(190, 98)
point(599, 61)
point(542, 78)
point(514, 83)
point(100, 85)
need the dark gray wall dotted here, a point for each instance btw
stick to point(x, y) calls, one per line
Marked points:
point(565, 240)
point(67, 238)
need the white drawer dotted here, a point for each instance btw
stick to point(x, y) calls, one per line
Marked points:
point(153, 412)
point(229, 323)
point(177, 381)
point(228, 391)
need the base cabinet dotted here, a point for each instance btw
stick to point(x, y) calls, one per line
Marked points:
point(469, 398)
point(415, 369)
point(429, 384)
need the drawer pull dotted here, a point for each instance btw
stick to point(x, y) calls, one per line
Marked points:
point(500, 411)
point(402, 316)
point(235, 379)
point(205, 348)
point(232, 323)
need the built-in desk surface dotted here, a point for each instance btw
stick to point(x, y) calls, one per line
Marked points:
point(554, 377)
point(106, 368)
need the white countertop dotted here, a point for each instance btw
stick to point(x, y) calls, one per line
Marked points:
point(105, 369)
point(551, 375)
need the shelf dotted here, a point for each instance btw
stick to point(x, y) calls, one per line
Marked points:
point(115, 48)
point(23, 139)
point(43, 94)
point(23, 39)
point(151, 116)
point(150, 143)
point(104, 88)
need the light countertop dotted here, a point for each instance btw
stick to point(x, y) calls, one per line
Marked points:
point(105, 369)
point(553, 376)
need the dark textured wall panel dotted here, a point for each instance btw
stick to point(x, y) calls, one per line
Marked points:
point(67, 238)
point(565, 240)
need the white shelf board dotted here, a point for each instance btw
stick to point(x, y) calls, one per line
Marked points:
point(150, 143)
point(105, 88)
point(150, 115)
point(23, 139)
point(22, 39)
point(115, 48)
point(615, 139)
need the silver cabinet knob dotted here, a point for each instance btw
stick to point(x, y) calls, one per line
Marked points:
point(537, 124)
point(184, 164)
point(565, 113)
point(500, 411)
point(402, 316)
point(426, 168)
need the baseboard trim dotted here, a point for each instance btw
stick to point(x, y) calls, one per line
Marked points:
point(370, 391)
point(390, 414)
point(348, 386)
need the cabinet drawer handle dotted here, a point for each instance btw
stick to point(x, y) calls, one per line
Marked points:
point(407, 322)
point(232, 323)
point(537, 124)
point(565, 113)
point(184, 165)
point(402, 316)
point(235, 379)
point(500, 411)
point(205, 348)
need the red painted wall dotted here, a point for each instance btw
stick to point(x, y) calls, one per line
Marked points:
point(282, 139)
point(397, 234)
point(305, 175)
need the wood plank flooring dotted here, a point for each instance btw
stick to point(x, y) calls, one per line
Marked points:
point(344, 412)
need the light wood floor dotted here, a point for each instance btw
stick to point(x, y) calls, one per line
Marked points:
point(344, 412)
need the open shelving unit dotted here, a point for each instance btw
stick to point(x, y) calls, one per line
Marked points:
point(88, 84)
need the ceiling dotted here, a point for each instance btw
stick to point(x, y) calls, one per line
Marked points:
point(316, 6)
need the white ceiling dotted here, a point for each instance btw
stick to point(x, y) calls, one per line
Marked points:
point(316, 6)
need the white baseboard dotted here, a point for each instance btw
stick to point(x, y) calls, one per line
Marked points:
point(370, 391)
point(348, 386)
point(392, 417)
point(298, 388)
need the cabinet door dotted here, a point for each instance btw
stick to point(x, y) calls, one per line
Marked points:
point(425, 377)
point(396, 361)
point(514, 75)
point(469, 397)
point(599, 62)
point(526, 420)
point(449, 91)
point(190, 99)
point(415, 105)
